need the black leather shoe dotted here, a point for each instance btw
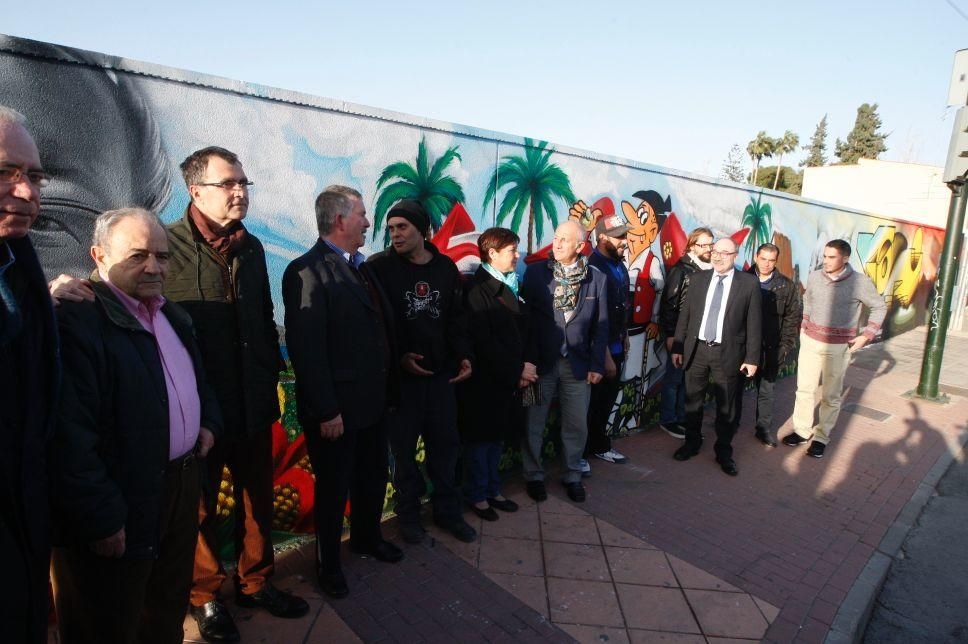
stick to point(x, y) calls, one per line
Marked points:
point(279, 603)
point(383, 551)
point(794, 439)
point(816, 449)
point(576, 491)
point(728, 465)
point(333, 584)
point(537, 490)
point(215, 623)
point(685, 452)
point(765, 437)
point(461, 530)
point(488, 513)
point(412, 532)
point(506, 505)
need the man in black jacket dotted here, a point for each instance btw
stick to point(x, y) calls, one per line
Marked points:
point(30, 364)
point(218, 274)
point(340, 341)
point(672, 400)
point(425, 294)
point(782, 313)
point(135, 416)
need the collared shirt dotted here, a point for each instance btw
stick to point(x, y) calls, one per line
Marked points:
point(727, 283)
point(354, 259)
point(184, 406)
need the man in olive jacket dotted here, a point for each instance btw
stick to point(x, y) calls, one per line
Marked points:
point(218, 274)
point(135, 415)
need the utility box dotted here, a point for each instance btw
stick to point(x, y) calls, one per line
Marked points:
point(957, 164)
point(958, 90)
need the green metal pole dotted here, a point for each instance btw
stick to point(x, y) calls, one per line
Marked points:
point(943, 289)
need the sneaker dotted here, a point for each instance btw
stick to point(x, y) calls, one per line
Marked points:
point(794, 439)
point(816, 449)
point(674, 429)
point(576, 491)
point(586, 469)
point(611, 456)
point(537, 490)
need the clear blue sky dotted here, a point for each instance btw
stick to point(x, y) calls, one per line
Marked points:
point(673, 84)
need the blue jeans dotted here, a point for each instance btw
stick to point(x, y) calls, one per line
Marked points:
point(672, 399)
point(482, 480)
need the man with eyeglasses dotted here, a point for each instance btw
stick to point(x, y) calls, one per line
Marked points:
point(218, 274)
point(717, 340)
point(672, 400)
point(29, 362)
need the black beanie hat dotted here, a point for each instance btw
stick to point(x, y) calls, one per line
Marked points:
point(412, 211)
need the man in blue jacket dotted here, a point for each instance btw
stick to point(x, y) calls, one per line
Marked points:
point(567, 340)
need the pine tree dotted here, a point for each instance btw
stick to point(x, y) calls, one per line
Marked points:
point(865, 141)
point(816, 151)
point(733, 165)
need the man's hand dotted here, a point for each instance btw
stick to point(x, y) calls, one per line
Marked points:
point(594, 378)
point(858, 343)
point(529, 373)
point(748, 369)
point(651, 331)
point(409, 363)
point(111, 547)
point(464, 373)
point(677, 360)
point(65, 287)
point(610, 369)
point(332, 429)
point(205, 441)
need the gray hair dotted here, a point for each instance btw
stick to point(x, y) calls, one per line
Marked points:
point(334, 200)
point(106, 222)
point(10, 116)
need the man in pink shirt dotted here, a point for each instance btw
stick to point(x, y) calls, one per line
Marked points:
point(135, 416)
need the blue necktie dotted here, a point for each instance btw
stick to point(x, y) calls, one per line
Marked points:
point(713, 316)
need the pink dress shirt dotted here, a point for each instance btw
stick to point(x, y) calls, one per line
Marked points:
point(184, 406)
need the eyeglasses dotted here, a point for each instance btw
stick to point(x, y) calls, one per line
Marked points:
point(709, 245)
point(229, 184)
point(15, 174)
point(723, 253)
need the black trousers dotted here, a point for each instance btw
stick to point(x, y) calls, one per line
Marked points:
point(355, 464)
point(706, 370)
point(600, 407)
point(764, 383)
point(427, 408)
point(23, 611)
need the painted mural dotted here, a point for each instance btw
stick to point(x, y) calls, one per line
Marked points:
point(112, 133)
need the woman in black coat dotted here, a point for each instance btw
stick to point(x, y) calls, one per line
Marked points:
point(490, 402)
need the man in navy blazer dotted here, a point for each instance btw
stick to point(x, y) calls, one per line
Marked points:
point(567, 340)
point(717, 341)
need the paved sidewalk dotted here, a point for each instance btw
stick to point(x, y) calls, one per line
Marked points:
point(676, 552)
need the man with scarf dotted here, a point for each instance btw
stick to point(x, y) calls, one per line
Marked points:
point(567, 340)
point(218, 274)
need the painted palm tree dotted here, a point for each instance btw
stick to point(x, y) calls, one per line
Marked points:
point(786, 145)
point(423, 181)
point(758, 217)
point(533, 184)
point(761, 146)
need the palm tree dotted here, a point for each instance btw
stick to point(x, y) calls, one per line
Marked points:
point(758, 217)
point(761, 146)
point(533, 183)
point(787, 144)
point(426, 183)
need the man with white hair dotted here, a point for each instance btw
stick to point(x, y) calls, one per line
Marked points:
point(717, 340)
point(28, 349)
point(135, 417)
point(567, 340)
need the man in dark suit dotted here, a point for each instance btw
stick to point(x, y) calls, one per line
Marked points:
point(339, 342)
point(717, 339)
point(567, 340)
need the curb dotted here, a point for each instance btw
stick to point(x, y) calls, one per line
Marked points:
point(855, 611)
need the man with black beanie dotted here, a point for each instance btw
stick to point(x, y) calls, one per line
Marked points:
point(424, 290)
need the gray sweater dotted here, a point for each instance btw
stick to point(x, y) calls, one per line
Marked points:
point(832, 307)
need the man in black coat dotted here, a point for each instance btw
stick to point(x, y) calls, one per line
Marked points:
point(340, 343)
point(718, 339)
point(30, 364)
point(782, 314)
point(135, 417)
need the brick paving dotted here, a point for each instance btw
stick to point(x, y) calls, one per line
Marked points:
point(662, 550)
